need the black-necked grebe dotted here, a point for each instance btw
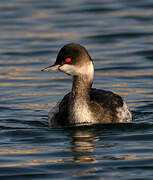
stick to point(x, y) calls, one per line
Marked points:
point(84, 105)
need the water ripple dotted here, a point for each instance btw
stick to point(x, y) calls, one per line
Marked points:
point(118, 36)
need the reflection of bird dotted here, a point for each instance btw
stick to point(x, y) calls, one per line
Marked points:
point(83, 144)
point(84, 105)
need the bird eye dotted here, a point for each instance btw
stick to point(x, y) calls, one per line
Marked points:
point(68, 60)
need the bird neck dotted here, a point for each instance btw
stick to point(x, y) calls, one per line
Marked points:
point(79, 100)
point(81, 87)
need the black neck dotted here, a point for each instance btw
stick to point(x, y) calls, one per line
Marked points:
point(81, 87)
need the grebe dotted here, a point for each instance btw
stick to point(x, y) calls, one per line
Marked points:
point(84, 104)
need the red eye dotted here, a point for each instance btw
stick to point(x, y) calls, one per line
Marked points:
point(68, 60)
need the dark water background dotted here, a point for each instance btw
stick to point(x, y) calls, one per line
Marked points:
point(119, 36)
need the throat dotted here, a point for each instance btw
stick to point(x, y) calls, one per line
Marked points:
point(81, 88)
point(80, 99)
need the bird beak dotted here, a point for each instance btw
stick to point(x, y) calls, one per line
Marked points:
point(54, 67)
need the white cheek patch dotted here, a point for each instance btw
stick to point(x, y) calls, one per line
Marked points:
point(76, 70)
point(68, 69)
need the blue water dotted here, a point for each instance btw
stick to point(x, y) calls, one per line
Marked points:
point(119, 37)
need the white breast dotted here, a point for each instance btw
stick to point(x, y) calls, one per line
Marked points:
point(80, 113)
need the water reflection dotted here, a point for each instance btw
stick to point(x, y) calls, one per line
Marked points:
point(85, 144)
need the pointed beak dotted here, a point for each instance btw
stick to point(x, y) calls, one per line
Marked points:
point(54, 67)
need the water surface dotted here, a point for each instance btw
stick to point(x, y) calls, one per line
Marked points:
point(119, 38)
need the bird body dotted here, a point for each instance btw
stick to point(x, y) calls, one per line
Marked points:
point(84, 105)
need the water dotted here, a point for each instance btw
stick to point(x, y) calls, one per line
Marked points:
point(119, 37)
